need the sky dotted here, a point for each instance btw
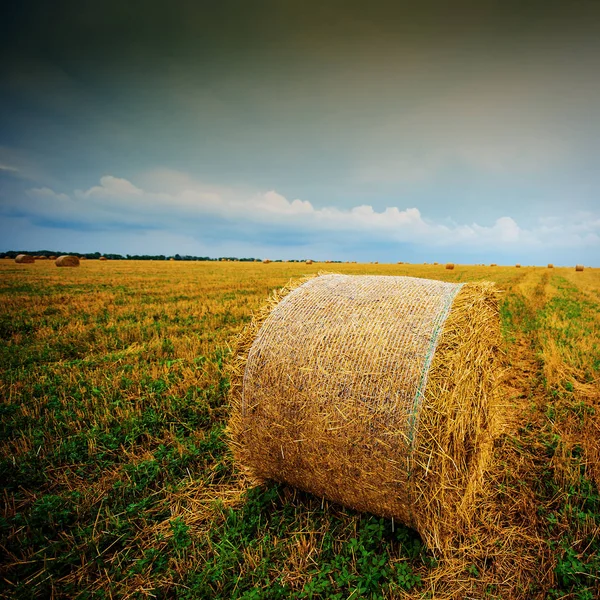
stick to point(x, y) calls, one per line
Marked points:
point(285, 129)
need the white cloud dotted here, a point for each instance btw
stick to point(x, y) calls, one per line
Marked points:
point(118, 203)
point(113, 186)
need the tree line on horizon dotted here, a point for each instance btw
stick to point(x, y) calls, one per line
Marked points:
point(95, 255)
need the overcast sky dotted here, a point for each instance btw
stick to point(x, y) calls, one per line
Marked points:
point(294, 129)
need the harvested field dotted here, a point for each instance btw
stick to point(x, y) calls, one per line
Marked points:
point(118, 480)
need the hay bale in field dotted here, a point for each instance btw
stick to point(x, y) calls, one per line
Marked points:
point(400, 262)
point(67, 261)
point(517, 266)
point(82, 257)
point(24, 259)
point(435, 263)
point(579, 267)
point(550, 266)
point(266, 261)
point(103, 258)
point(309, 262)
point(52, 258)
point(493, 265)
point(376, 392)
point(450, 266)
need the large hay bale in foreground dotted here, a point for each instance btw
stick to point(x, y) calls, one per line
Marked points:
point(24, 259)
point(67, 261)
point(376, 392)
point(579, 267)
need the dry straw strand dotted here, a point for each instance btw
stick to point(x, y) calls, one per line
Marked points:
point(368, 411)
point(67, 261)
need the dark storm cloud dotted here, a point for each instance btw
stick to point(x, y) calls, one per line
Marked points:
point(91, 34)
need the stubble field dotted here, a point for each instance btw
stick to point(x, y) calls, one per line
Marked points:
point(117, 481)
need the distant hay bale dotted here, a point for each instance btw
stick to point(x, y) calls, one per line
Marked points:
point(67, 261)
point(493, 265)
point(579, 267)
point(52, 257)
point(309, 262)
point(82, 258)
point(266, 261)
point(363, 390)
point(550, 266)
point(172, 259)
point(400, 262)
point(435, 263)
point(517, 266)
point(450, 266)
point(24, 259)
point(376, 262)
point(103, 258)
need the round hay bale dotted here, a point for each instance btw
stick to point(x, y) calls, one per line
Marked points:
point(266, 261)
point(52, 258)
point(517, 266)
point(103, 258)
point(450, 266)
point(309, 262)
point(550, 266)
point(82, 258)
point(579, 267)
point(375, 392)
point(24, 259)
point(67, 261)
point(493, 265)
